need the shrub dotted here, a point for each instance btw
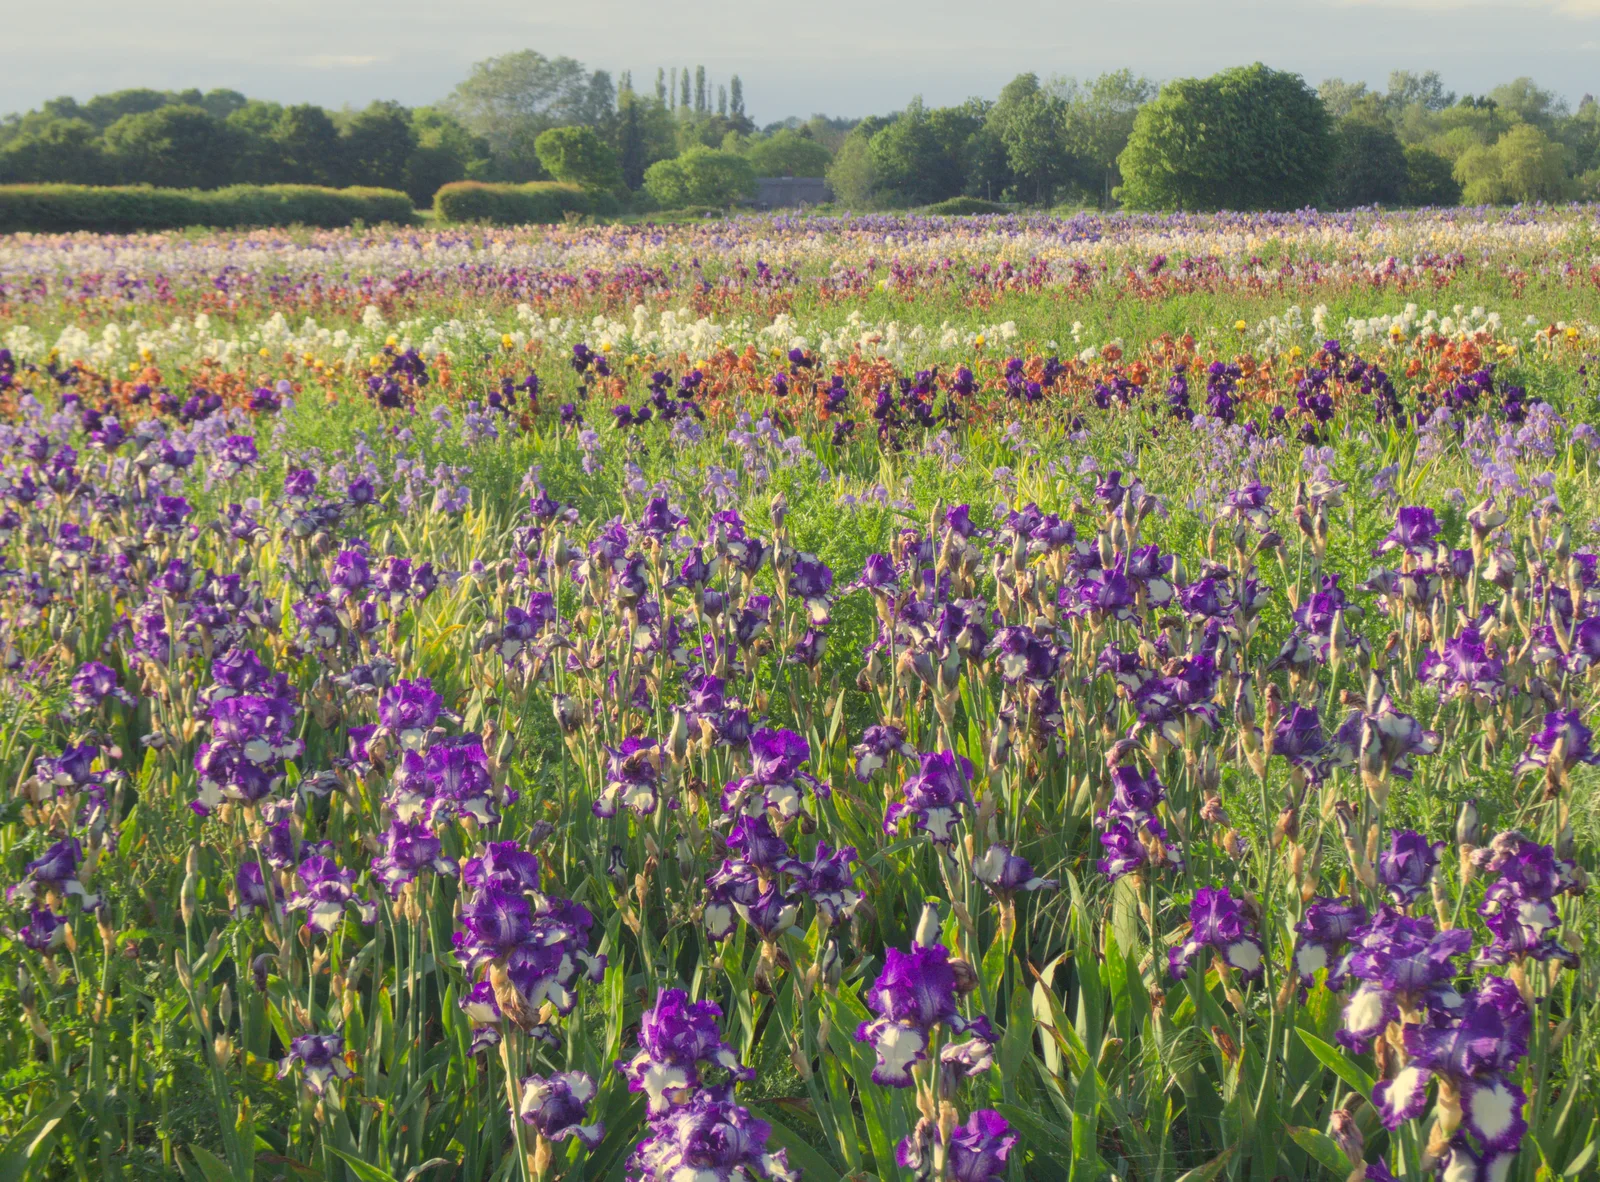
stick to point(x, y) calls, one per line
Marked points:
point(122, 209)
point(539, 203)
point(1369, 164)
point(788, 153)
point(577, 156)
point(1247, 138)
point(965, 206)
point(1429, 179)
point(1524, 164)
point(701, 176)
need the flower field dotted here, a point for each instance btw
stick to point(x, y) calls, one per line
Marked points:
point(825, 698)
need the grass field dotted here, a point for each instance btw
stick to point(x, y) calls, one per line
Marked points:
point(883, 697)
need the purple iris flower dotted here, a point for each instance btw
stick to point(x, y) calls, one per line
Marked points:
point(878, 744)
point(879, 575)
point(1105, 593)
point(709, 1138)
point(633, 773)
point(675, 1037)
point(1415, 531)
point(1519, 906)
point(502, 864)
point(1024, 656)
point(557, 1105)
point(1398, 958)
point(1324, 934)
point(1217, 921)
point(327, 891)
point(1005, 873)
point(1383, 742)
point(1249, 503)
point(1298, 738)
point(252, 887)
point(754, 841)
point(44, 932)
point(404, 852)
point(933, 796)
point(976, 1151)
point(93, 683)
point(1131, 833)
point(775, 775)
point(828, 882)
point(1406, 868)
point(1466, 667)
point(1563, 731)
point(916, 991)
point(811, 580)
point(321, 1059)
point(409, 709)
point(1474, 1049)
point(236, 453)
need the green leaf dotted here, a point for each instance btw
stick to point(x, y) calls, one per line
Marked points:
point(416, 1172)
point(1085, 1123)
point(212, 1166)
point(1045, 1138)
point(33, 1142)
point(362, 1170)
point(1211, 1169)
point(1322, 1148)
point(811, 1164)
point(1577, 1165)
point(1335, 1061)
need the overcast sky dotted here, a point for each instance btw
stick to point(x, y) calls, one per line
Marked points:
point(840, 57)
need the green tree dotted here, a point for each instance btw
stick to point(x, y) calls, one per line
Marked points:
point(1581, 134)
point(644, 133)
point(377, 145)
point(973, 147)
point(258, 158)
point(309, 147)
point(701, 176)
point(1425, 91)
point(509, 100)
point(578, 156)
point(1523, 99)
point(1430, 179)
point(1031, 121)
point(105, 109)
point(1339, 97)
point(446, 152)
point(222, 103)
point(851, 175)
point(735, 97)
point(56, 150)
point(1369, 162)
point(1099, 120)
point(910, 163)
point(1247, 138)
point(173, 146)
point(1524, 164)
point(787, 153)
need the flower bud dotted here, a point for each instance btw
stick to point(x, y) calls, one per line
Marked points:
point(1346, 1133)
point(188, 895)
point(927, 927)
point(1468, 827)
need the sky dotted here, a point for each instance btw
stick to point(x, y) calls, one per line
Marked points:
point(838, 57)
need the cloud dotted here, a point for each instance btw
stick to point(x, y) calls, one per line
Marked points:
point(1578, 9)
point(333, 61)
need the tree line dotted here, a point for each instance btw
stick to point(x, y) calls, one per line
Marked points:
point(1245, 138)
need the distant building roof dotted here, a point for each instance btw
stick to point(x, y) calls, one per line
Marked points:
point(790, 192)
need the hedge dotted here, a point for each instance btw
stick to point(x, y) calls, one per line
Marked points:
point(126, 208)
point(539, 203)
point(965, 207)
